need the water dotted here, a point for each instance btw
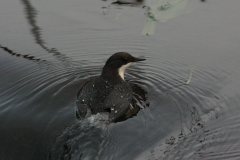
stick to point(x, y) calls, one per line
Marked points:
point(187, 89)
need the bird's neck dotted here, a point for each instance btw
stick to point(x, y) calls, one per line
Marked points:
point(111, 74)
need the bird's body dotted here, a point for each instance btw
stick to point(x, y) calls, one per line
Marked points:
point(109, 92)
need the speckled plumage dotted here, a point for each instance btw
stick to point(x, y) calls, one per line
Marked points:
point(109, 92)
point(100, 95)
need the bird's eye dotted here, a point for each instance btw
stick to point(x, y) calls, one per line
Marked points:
point(125, 59)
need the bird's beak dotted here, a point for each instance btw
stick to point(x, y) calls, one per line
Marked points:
point(138, 59)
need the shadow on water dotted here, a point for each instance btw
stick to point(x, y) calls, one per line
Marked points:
point(26, 56)
point(42, 62)
point(31, 15)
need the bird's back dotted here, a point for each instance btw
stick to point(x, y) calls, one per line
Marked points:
point(100, 95)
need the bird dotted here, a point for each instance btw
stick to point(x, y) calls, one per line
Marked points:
point(108, 93)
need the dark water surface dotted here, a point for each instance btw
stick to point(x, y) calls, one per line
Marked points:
point(188, 88)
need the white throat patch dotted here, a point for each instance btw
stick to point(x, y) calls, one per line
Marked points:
point(122, 69)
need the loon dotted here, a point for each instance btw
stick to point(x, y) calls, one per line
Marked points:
point(109, 92)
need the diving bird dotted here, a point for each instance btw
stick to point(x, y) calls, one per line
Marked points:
point(108, 93)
